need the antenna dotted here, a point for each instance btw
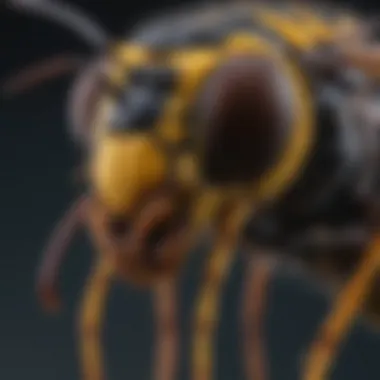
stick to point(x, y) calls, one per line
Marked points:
point(41, 72)
point(64, 14)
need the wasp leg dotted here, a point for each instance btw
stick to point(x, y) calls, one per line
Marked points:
point(208, 302)
point(207, 310)
point(254, 298)
point(347, 306)
point(167, 347)
point(90, 320)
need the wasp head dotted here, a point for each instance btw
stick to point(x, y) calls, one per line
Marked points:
point(143, 211)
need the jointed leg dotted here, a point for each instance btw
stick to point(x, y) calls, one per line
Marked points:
point(207, 311)
point(255, 294)
point(167, 347)
point(90, 321)
point(207, 305)
point(54, 253)
point(347, 306)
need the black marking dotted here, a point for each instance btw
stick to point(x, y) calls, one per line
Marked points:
point(138, 110)
point(325, 194)
point(162, 79)
point(140, 105)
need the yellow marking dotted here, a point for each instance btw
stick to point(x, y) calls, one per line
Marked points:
point(285, 27)
point(170, 125)
point(247, 43)
point(208, 307)
point(125, 166)
point(91, 315)
point(192, 66)
point(132, 55)
point(205, 207)
point(346, 308)
point(315, 25)
point(187, 170)
point(300, 143)
point(303, 28)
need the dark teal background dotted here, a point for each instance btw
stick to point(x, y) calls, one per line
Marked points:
point(36, 158)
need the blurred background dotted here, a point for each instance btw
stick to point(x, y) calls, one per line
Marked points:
point(37, 159)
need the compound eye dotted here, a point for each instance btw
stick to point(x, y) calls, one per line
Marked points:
point(243, 119)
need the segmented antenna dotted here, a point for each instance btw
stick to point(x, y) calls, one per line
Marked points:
point(56, 66)
point(66, 15)
point(36, 74)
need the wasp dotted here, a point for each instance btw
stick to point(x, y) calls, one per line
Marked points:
point(254, 122)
